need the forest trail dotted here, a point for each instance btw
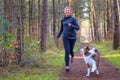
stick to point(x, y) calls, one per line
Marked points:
point(78, 70)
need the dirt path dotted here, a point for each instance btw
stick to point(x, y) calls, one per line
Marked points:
point(78, 70)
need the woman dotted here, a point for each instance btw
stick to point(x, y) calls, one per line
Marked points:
point(68, 29)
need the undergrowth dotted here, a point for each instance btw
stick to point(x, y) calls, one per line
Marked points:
point(36, 65)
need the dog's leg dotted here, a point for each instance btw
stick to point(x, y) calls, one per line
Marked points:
point(97, 72)
point(94, 67)
point(88, 70)
point(97, 62)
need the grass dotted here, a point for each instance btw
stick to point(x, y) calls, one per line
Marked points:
point(22, 76)
point(113, 56)
point(49, 69)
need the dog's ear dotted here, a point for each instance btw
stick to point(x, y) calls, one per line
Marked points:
point(87, 48)
point(96, 50)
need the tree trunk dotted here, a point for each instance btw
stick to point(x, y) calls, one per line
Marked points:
point(96, 33)
point(39, 18)
point(104, 26)
point(91, 28)
point(65, 3)
point(8, 14)
point(118, 3)
point(54, 18)
point(108, 14)
point(5, 16)
point(20, 30)
point(44, 26)
point(15, 13)
point(116, 26)
point(30, 16)
point(96, 37)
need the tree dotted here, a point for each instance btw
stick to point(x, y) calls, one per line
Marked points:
point(8, 14)
point(44, 25)
point(65, 3)
point(54, 18)
point(95, 24)
point(39, 17)
point(20, 29)
point(30, 17)
point(116, 26)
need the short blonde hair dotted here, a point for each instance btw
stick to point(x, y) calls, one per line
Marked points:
point(67, 7)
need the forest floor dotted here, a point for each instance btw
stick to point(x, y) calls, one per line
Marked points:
point(78, 70)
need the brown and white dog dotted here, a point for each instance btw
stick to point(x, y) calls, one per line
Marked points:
point(91, 57)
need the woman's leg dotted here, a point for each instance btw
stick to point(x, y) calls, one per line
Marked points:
point(66, 44)
point(72, 43)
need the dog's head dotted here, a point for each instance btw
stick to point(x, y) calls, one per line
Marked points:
point(85, 51)
point(93, 51)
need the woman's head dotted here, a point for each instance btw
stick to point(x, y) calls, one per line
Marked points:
point(67, 11)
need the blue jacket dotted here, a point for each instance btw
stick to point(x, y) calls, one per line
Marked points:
point(68, 31)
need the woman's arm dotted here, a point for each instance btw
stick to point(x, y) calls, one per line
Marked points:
point(61, 30)
point(75, 25)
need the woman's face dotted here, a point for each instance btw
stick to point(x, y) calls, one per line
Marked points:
point(67, 12)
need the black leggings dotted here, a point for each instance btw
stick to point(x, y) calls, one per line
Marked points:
point(68, 46)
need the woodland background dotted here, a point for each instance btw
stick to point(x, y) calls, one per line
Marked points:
point(29, 27)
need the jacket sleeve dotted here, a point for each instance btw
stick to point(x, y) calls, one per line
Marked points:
point(61, 30)
point(75, 25)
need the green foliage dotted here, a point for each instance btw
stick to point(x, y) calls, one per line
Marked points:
point(31, 46)
point(5, 36)
point(51, 43)
point(32, 76)
point(58, 58)
point(48, 64)
point(49, 68)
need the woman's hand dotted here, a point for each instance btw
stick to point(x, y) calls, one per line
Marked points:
point(69, 24)
point(56, 38)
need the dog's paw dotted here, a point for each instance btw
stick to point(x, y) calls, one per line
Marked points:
point(87, 75)
point(97, 72)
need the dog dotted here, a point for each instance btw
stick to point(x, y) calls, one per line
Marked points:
point(91, 58)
